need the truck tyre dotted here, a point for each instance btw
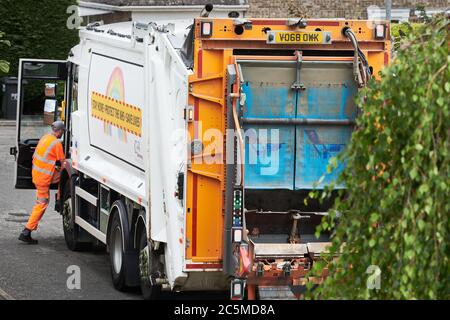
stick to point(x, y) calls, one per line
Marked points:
point(71, 230)
point(123, 255)
point(116, 254)
point(148, 264)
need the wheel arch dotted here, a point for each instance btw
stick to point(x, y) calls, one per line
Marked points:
point(140, 225)
point(119, 208)
point(129, 253)
point(68, 173)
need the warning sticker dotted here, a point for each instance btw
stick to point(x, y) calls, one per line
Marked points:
point(117, 113)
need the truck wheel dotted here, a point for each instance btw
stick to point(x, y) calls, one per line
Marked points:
point(123, 256)
point(71, 230)
point(116, 254)
point(123, 262)
point(148, 264)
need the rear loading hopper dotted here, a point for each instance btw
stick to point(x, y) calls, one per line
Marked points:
point(287, 95)
point(296, 115)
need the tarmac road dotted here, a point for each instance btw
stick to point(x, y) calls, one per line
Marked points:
point(40, 271)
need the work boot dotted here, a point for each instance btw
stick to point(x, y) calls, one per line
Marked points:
point(25, 236)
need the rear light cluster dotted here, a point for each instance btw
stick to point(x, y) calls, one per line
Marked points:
point(380, 31)
point(237, 215)
point(207, 28)
point(237, 289)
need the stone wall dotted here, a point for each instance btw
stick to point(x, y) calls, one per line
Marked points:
point(350, 9)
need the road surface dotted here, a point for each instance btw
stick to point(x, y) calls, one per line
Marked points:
point(40, 271)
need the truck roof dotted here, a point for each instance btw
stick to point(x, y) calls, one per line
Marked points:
point(123, 31)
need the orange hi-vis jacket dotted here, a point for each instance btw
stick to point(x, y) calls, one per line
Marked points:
point(48, 151)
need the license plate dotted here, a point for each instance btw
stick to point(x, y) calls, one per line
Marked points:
point(299, 37)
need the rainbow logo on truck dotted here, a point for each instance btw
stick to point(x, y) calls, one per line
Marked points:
point(116, 86)
point(112, 109)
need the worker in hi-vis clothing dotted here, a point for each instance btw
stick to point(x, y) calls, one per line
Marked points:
point(44, 172)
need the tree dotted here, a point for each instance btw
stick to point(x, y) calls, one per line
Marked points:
point(4, 65)
point(400, 31)
point(36, 29)
point(394, 215)
point(423, 16)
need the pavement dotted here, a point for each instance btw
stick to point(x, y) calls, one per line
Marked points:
point(7, 123)
point(12, 123)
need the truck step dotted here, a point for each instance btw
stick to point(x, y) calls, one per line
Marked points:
point(276, 293)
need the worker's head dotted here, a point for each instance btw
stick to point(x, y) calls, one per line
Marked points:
point(58, 128)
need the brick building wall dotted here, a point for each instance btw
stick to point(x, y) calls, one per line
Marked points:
point(350, 9)
point(110, 17)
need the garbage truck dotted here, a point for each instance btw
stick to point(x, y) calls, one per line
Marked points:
point(192, 145)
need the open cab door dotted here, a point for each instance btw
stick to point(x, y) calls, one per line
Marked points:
point(45, 81)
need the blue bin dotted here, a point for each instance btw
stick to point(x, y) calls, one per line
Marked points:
point(301, 155)
point(269, 162)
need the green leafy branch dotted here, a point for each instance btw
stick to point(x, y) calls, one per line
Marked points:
point(4, 65)
point(394, 213)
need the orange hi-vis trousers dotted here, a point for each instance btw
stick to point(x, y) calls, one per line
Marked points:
point(42, 201)
point(44, 173)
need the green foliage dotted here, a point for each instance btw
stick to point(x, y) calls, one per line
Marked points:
point(36, 29)
point(395, 212)
point(400, 31)
point(423, 17)
point(4, 65)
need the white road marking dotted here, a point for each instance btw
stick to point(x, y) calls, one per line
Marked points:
point(5, 296)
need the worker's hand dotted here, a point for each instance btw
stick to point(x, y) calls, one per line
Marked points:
point(58, 165)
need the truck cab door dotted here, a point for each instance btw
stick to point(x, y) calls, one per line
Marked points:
point(41, 92)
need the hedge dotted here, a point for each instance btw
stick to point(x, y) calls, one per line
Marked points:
point(36, 29)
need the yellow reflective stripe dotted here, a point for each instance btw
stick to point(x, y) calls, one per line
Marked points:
point(50, 147)
point(43, 159)
point(42, 200)
point(42, 170)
